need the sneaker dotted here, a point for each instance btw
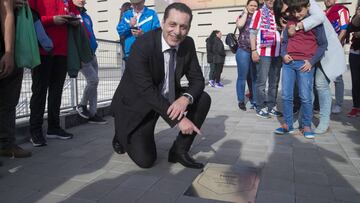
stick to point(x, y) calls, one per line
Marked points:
point(242, 106)
point(15, 151)
point(211, 83)
point(219, 85)
point(275, 112)
point(263, 113)
point(59, 134)
point(253, 106)
point(284, 129)
point(82, 111)
point(38, 140)
point(353, 113)
point(309, 135)
point(336, 109)
point(97, 120)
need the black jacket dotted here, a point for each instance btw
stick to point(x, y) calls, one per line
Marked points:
point(139, 92)
point(218, 51)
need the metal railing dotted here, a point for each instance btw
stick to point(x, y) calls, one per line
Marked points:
point(109, 57)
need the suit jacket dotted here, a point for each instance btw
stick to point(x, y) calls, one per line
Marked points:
point(139, 91)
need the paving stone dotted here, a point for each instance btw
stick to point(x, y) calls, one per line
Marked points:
point(308, 177)
point(346, 194)
point(188, 199)
point(301, 199)
point(16, 194)
point(41, 197)
point(314, 191)
point(123, 195)
point(274, 197)
point(277, 185)
point(140, 182)
point(156, 196)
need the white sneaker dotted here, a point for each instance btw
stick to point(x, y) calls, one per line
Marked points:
point(336, 109)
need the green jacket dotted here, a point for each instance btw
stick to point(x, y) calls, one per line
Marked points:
point(79, 49)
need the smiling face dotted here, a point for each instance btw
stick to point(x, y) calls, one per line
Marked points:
point(175, 27)
point(301, 13)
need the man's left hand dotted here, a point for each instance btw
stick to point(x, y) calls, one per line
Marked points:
point(178, 108)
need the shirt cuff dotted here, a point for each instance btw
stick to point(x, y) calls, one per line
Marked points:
point(189, 96)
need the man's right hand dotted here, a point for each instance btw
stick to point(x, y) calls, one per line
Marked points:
point(60, 19)
point(187, 127)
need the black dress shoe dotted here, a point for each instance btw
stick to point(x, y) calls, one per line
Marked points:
point(118, 148)
point(185, 160)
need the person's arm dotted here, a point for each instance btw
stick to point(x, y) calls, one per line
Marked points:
point(356, 21)
point(344, 23)
point(8, 30)
point(316, 17)
point(322, 44)
point(254, 28)
point(123, 28)
point(156, 22)
point(241, 21)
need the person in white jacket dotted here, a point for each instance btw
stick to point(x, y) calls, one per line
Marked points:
point(333, 62)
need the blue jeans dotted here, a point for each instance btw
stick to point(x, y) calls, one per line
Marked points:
point(323, 89)
point(290, 73)
point(244, 64)
point(268, 67)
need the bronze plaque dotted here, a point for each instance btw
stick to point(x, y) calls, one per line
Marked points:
point(226, 183)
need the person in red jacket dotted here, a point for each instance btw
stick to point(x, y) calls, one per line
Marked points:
point(49, 76)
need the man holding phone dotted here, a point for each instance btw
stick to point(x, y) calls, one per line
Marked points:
point(50, 75)
point(135, 22)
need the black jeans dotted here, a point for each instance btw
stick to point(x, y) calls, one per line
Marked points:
point(48, 77)
point(9, 96)
point(218, 71)
point(354, 61)
point(141, 147)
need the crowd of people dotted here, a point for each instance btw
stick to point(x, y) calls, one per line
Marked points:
point(303, 42)
point(294, 36)
point(67, 44)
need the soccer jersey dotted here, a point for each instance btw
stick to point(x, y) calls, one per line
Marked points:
point(268, 37)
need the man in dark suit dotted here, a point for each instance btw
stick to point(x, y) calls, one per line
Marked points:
point(151, 88)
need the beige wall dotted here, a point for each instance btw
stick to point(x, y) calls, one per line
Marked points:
point(105, 15)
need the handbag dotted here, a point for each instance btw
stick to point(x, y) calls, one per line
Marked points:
point(231, 41)
point(26, 45)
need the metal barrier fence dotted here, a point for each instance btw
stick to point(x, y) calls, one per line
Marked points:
point(109, 57)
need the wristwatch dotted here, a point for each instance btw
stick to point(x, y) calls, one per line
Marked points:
point(189, 97)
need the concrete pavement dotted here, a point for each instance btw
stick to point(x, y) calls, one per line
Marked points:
point(293, 169)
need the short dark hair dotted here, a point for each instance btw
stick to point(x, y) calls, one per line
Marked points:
point(297, 5)
point(257, 1)
point(180, 7)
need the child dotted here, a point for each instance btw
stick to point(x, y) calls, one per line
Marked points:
point(300, 53)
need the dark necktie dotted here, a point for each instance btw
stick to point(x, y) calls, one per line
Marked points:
point(171, 94)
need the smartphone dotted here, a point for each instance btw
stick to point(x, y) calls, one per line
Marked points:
point(72, 18)
point(134, 28)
